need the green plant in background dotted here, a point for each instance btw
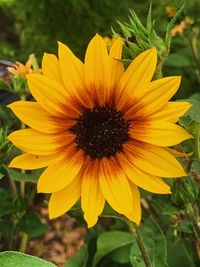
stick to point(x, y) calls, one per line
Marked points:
point(169, 235)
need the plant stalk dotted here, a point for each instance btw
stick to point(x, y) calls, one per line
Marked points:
point(24, 242)
point(135, 231)
point(22, 183)
point(24, 239)
point(194, 50)
point(158, 73)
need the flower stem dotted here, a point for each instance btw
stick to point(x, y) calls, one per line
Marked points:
point(135, 231)
point(22, 183)
point(158, 73)
point(24, 239)
point(13, 187)
point(22, 186)
point(23, 243)
point(194, 50)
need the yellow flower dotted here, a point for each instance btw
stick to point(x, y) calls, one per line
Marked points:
point(101, 131)
point(180, 28)
point(170, 11)
point(21, 69)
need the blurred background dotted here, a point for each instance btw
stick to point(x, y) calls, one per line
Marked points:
point(35, 26)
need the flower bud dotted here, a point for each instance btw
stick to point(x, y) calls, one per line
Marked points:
point(185, 191)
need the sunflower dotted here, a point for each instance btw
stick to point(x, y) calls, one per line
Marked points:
point(101, 131)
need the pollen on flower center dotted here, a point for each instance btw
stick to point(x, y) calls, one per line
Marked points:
point(101, 131)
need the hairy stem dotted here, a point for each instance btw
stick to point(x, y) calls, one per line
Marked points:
point(135, 231)
point(24, 239)
point(13, 187)
point(23, 243)
point(22, 183)
point(193, 46)
point(158, 73)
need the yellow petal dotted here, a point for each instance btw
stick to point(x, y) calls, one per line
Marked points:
point(97, 70)
point(72, 70)
point(92, 199)
point(29, 63)
point(139, 73)
point(142, 179)
point(50, 95)
point(153, 97)
point(117, 67)
point(154, 160)
point(136, 213)
point(171, 111)
point(61, 201)
point(30, 162)
point(37, 143)
point(115, 187)
point(50, 67)
point(61, 174)
point(160, 133)
point(33, 115)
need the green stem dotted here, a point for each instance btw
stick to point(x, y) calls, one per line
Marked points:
point(22, 187)
point(4, 145)
point(135, 231)
point(190, 211)
point(193, 46)
point(24, 242)
point(24, 239)
point(158, 73)
point(22, 183)
point(13, 187)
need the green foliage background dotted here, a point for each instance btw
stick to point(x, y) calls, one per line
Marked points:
point(171, 236)
point(35, 26)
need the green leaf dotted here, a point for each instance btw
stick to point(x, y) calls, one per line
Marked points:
point(122, 254)
point(109, 242)
point(1, 176)
point(136, 259)
point(196, 167)
point(171, 25)
point(80, 259)
point(124, 29)
point(155, 242)
point(6, 228)
point(5, 86)
point(194, 111)
point(170, 209)
point(149, 18)
point(8, 205)
point(186, 226)
point(17, 175)
point(180, 253)
point(7, 116)
point(17, 259)
point(32, 225)
point(178, 60)
point(155, 245)
point(191, 122)
point(194, 129)
point(195, 96)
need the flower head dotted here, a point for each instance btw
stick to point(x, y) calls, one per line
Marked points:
point(102, 132)
point(170, 11)
point(181, 27)
point(21, 69)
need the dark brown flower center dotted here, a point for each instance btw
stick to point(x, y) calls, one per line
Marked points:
point(101, 131)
